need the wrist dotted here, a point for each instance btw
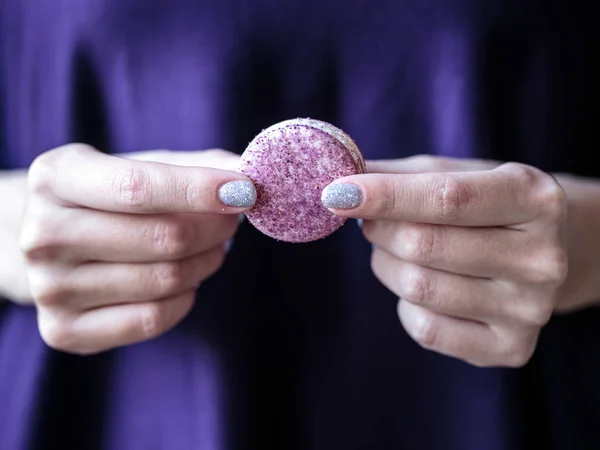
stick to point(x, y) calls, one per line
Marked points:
point(582, 286)
point(13, 280)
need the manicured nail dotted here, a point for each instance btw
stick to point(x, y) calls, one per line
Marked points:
point(228, 244)
point(238, 193)
point(341, 196)
point(359, 223)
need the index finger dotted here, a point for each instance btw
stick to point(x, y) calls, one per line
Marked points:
point(81, 176)
point(495, 197)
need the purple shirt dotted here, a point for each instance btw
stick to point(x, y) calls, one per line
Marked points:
point(299, 346)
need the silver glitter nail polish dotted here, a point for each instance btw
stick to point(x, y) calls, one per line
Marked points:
point(341, 196)
point(238, 193)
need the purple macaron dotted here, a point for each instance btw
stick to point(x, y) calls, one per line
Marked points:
point(290, 164)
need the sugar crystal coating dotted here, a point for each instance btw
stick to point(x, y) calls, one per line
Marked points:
point(290, 164)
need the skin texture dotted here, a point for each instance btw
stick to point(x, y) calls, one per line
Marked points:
point(477, 251)
point(290, 163)
point(479, 274)
point(115, 246)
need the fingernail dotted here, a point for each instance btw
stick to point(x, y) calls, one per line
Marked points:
point(238, 193)
point(359, 223)
point(228, 244)
point(341, 196)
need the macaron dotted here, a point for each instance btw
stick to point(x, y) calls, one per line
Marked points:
point(290, 163)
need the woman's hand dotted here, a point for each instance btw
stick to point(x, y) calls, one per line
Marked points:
point(115, 247)
point(476, 251)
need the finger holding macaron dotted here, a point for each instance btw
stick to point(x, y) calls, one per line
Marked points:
point(476, 256)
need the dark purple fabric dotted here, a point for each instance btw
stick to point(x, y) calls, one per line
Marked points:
point(298, 346)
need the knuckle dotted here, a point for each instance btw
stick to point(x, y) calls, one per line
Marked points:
point(151, 320)
point(449, 198)
point(388, 206)
point(535, 313)
point(171, 238)
point(56, 333)
point(43, 169)
point(554, 267)
point(418, 286)
point(418, 243)
point(549, 267)
point(47, 290)
point(169, 277)
point(427, 332)
point(523, 175)
point(75, 149)
point(42, 172)
point(548, 196)
point(38, 239)
point(516, 354)
point(552, 199)
point(132, 187)
point(195, 193)
point(522, 171)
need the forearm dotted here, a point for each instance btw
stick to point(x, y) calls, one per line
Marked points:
point(13, 283)
point(582, 287)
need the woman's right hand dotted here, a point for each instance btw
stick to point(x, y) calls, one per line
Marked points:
point(115, 247)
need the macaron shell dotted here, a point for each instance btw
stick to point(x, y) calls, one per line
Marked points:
point(334, 131)
point(290, 163)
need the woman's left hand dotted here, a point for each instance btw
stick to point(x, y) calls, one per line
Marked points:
point(475, 250)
